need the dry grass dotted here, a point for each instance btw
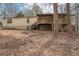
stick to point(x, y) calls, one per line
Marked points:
point(18, 42)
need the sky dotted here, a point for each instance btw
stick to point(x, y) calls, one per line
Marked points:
point(28, 6)
point(44, 6)
point(23, 6)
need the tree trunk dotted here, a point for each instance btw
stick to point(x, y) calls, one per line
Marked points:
point(68, 17)
point(68, 12)
point(76, 27)
point(55, 18)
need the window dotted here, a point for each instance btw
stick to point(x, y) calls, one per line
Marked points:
point(27, 20)
point(9, 20)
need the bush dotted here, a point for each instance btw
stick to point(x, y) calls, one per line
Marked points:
point(34, 26)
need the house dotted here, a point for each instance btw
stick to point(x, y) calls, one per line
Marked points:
point(18, 23)
point(40, 22)
point(45, 21)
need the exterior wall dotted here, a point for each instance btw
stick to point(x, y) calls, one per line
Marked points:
point(49, 20)
point(4, 23)
point(45, 19)
point(19, 23)
point(73, 22)
point(45, 22)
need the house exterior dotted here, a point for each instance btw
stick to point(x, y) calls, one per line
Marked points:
point(18, 23)
point(45, 21)
point(40, 22)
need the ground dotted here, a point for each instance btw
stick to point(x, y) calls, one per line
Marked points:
point(38, 43)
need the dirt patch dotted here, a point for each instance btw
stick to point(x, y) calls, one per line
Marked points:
point(18, 42)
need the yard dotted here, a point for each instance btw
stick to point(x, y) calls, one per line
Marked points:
point(36, 43)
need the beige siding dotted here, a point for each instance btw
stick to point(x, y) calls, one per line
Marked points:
point(4, 23)
point(19, 22)
point(33, 20)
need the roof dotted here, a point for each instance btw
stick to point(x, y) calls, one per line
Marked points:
point(23, 17)
point(50, 14)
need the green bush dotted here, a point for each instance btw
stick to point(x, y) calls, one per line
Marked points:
point(34, 26)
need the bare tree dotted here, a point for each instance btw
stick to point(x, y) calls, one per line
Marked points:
point(68, 17)
point(55, 20)
point(76, 9)
point(2, 8)
point(68, 12)
point(36, 9)
point(10, 10)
